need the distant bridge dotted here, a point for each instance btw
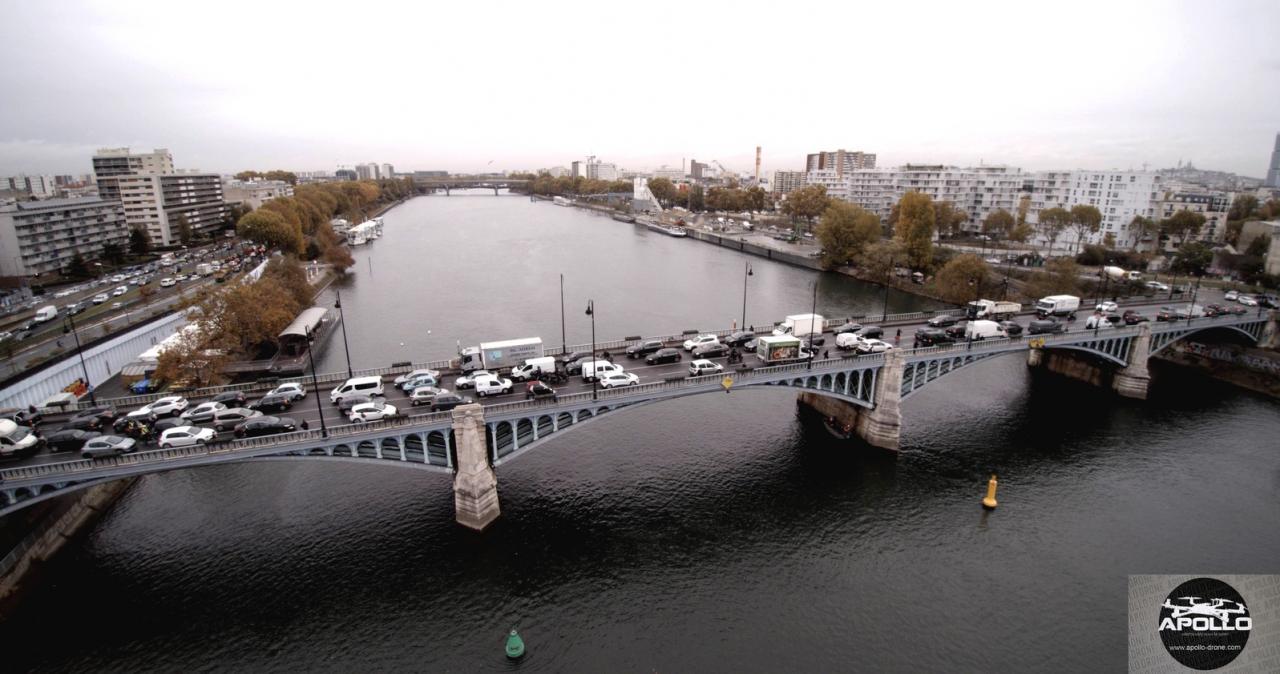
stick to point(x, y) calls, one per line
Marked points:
point(448, 183)
point(861, 392)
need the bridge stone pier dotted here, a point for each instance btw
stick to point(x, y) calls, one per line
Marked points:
point(1133, 379)
point(475, 487)
point(879, 426)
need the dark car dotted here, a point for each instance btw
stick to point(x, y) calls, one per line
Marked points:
point(230, 398)
point(740, 337)
point(751, 345)
point(273, 402)
point(956, 332)
point(1166, 314)
point(871, 332)
point(644, 348)
point(1132, 317)
point(711, 351)
point(943, 321)
point(172, 422)
point(932, 337)
point(85, 423)
point(1011, 328)
point(575, 366)
point(350, 401)
point(100, 416)
point(21, 417)
point(537, 389)
point(813, 340)
point(229, 418)
point(666, 355)
point(258, 426)
point(69, 439)
point(848, 327)
point(572, 356)
point(1045, 326)
point(448, 401)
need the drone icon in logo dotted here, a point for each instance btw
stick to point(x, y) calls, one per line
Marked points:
point(1214, 608)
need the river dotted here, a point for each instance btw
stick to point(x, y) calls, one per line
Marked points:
point(712, 533)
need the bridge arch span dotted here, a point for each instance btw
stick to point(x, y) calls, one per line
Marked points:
point(1250, 333)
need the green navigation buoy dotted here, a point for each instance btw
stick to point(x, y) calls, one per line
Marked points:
point(515, 645)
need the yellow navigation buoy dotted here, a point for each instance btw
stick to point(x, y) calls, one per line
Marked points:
point(990, 501)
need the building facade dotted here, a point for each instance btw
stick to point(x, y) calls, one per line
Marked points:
point(1273, 170)
point(386, 172)
point(672, 174)
point(254, 193)
point(111, 163)
point(840, 161)
point(1212, 204)
point(40, 187)
point(159, 203)
point(44, 236)
point(786, 182)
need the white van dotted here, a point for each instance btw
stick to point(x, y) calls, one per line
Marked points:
point(534, 368)
point(15, 439)
point(598, 368)
point(976, 330)
point(370, 386)
point(46, 313)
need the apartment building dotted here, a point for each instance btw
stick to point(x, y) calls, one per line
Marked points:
point(979, 191)
point(44, 236)
point(786, 182)
point(155, 202)
point(386, 172)
point(1118, 195)
point(840, 161)
point(254, 193)
point(110, 163)
point(1212, 204)
point(40, 187)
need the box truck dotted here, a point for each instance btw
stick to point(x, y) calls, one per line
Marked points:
point(800, 325)
point(992, 310)
point(777, 349)
point(499, 355)
point(46, 313)
point(1058, 305)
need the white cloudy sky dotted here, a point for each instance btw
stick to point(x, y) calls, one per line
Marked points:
point(229, 85)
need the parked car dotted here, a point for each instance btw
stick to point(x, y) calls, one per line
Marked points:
point(1045, 326)
point(943, 321)
point(232, 417)
point(667, 355)
point(931, 337)
point(69, 439)
point(265, 425)
point(616, 379)
point(700, 340)
point(537, 389)
point(93, 418)
point(1107, 306)
point(873, 346)
point(420, 372)
point(448, 401)
point(163, 407)
point(144, 386)
point(185, 436)
point(371, 412)
point(1133, 317)
point(740, 337)
point(203, 413)
point(273, 402)
point(644, 348)
point(701, 366)
point(1011, 328)
point(230, 398)
point(108, 445)
point(423, 395)
point(294, 390)
point(710, 350)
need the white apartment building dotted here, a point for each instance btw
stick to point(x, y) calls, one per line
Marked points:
point(111, 162)
point(602, 171)
point(1214, 205)
point(367, 171)
point(44, 236)
point(154, 202)
point(672, 174)
point(785, 182)
point(979, 191)
point(386, 172)
point(41, 187)
point(840, 161)
point(254, 193)
point(1118, 195)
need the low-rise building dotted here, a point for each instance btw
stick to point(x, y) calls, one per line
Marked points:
point(254, 193)
point(1212, 204)
point(44, 236)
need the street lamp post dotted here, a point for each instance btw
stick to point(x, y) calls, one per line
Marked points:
point(745, 274)
point(812, 347)
point(591, 311)
point(324, 430)
point(564, 348)
point(342, 318)
point(80, 352)
point(888, 275)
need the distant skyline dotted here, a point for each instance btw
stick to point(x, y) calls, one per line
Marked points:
point(310, 86)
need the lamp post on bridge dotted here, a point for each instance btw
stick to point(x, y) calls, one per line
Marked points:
point(888, 275)
point(324, 430)
point(591, 311)
point(813, 348)
point(80, 352)
point(342, 318)
point(745, 274)
point(564, 348)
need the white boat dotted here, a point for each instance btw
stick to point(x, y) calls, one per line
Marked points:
point(669, 230)
point(355, 237)
point(562, 201)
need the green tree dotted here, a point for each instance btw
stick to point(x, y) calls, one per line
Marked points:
point(112, 252)
point(139, 242)
point(1085, 220)
point(1243, 207)
point(270, 229)
point(1109, 240)
point(184, 229)
point(1051, 223)
point(961, 279)
point(663, 190)
point(998, 225)
point(77, 267)
point(807, 202)
point(1021, 232)
point(697, 199)
point(845, 230)
point(879, 258)
point(1143, 229)
point(1193, 258)
point(757, 198)
point(1182, 226)
point(915, 229)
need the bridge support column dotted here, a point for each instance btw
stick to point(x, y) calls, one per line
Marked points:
point(1035, 357)
point(879, 427)
point(475, 487)
point(1134, 379)
point(1270, 338)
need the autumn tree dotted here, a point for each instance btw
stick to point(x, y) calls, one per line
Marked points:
point(288, 272)
point(1109, 240)
point(1143, 228)
point(1051, 224)
point(948, 219)
point(807, 202)
point(998, 225)
point(1243, 207)
point(915, 229)
point(845, 230)
point(697, 199)
point(1085, 220)
point(879, 258)
point(663, 190)
point(757, 198)
point(270, 229)
point(1182, 225)
point(190, 361)
point(961, 279)
point(339, 258)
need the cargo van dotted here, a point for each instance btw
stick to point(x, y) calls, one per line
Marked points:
point(534, 368)
point(16, 440)
point(370, 386)
point(594, 369)
point(976, 330)
point(46, 313)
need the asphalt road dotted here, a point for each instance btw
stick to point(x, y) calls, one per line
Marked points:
point(306, 409)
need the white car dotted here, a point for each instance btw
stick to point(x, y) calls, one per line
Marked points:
point(1231, 295)
point(1107, 306)
point(423, 395)
point(703, 366)
point(168, 405)
point(491, 385)
point(99, 298)
point(423, 372)
point(1247, 300)
point(203, 413)
point(294, 390)
point(119, 291)
point(184, 436)
point(167, 282)
point(1156, 285)
point(616, 379)
point(372, 411)
point(691, 344)
point(469, 380)
point(848, 340)
point(873, 346)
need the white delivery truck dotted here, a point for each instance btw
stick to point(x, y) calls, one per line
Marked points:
point(977, 330)
point(800, 325)
point(993, 310)
point(1058, 305)
point(46, 313)
point(494, 356)
point(778, 349)
point(534, 368)
point(204, 269)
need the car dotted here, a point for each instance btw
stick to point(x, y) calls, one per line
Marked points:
point(492, 384)
point(69, 439)
point(740, 337)
point(873, 346)
point(1132, 317)
point(1214, 310)
point(230, 398)
point(448, 401)
point(185, 436)
point(168, 282)
point(423, 395)
point(942, 321)
point(573, 356)
point(419, 381)
point(956, 332)
point(666, 355)
point(616, 379)
point(702, 366)
point(420, 372)
point(1100, 321)
point(931, 337)
point(812, 340)
point(117, 305)
point(202, 413)
point(1157, 286)
point(1186, 313)
point(293, 389)
point(711, 350)
point(119, 291)
point(700, 340)
point(108, 445)
point(100, 298)
point(22, 417)
point(1165, 314)
point(469, 380)
point(166, 406)
point(1234, 310)
point(232, 417)
point(1107, 306)
point(371, 412)
point(849, 327)
point(162, 425)
point(1045, 326)
point(1011, 328)
point(144, 386)
point(1247, 300)
point(871, 332)
point(644, 348)
point(95, 417)
point(264, 425)
point(345, 405)
point(1231, 295)
point(537, 389)
point(273, 402)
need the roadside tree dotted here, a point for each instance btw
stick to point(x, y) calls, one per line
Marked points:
point(844, 231)
point(915, 228)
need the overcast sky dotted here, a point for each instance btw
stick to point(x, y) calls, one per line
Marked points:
point(462, 86)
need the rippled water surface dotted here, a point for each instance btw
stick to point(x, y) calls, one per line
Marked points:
point(713, 533)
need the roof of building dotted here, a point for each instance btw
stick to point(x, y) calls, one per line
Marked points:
point(43, 204)
point(306, 321)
